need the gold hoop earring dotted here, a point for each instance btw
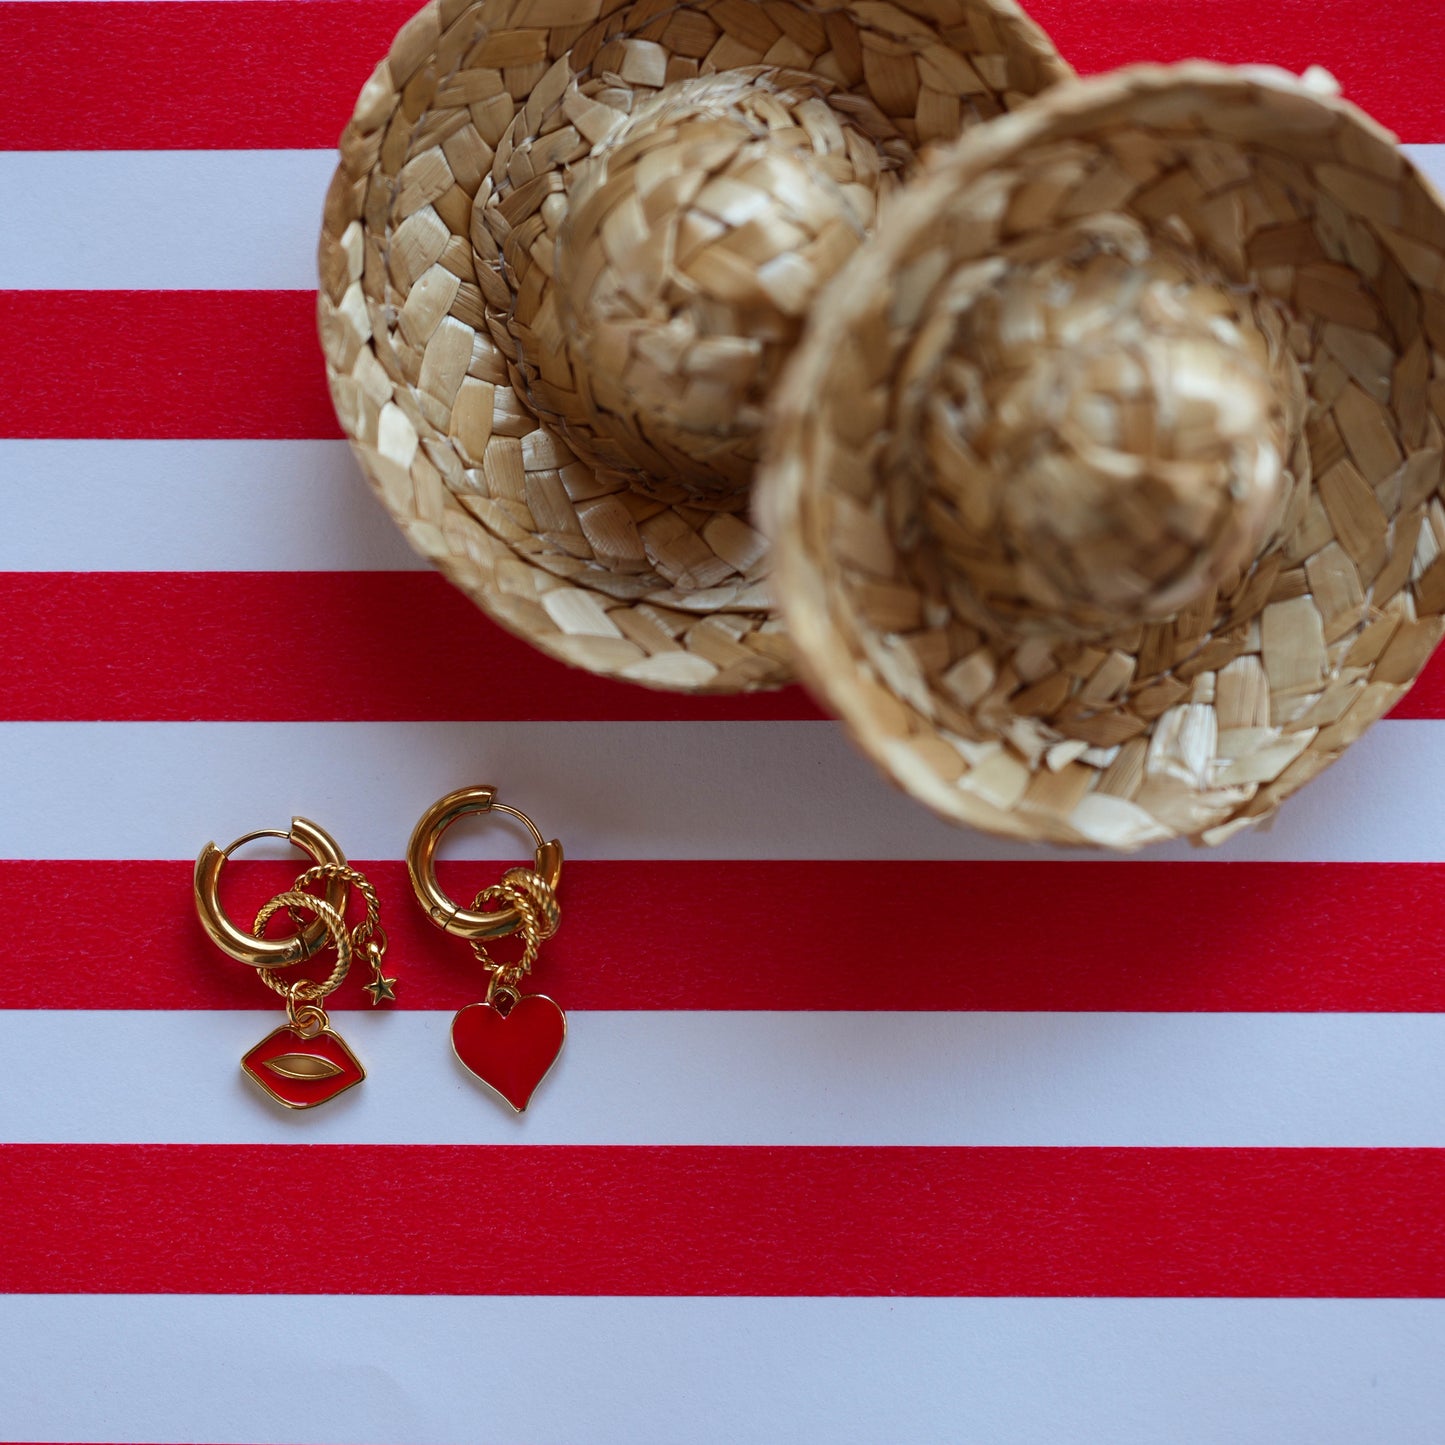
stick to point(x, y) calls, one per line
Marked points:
point(304, 1062)
point(511, 1039)
point(312, 840)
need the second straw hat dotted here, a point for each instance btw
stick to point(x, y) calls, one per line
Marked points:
point(568, 249)
point(1105, 489)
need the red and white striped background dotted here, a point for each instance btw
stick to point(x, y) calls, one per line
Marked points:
point(867, 1129)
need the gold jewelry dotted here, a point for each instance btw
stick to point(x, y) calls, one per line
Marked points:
point(543, 896)
point(304, 1062)
point(368, 936)
point(421, 863)
point(529, 927)
point(266, 952)
point(509, 1040)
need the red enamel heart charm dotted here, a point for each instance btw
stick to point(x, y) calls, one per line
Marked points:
point(300, 1071)
point(512, 1052)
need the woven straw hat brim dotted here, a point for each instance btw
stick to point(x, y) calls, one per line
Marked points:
point(467, 127)
point(1202, 724)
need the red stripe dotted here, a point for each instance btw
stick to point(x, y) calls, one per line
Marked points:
point(401, 647)
point(162, 364)
point(539, 1220)
point(266, 74)
point(1426, 699)
point(1173, 937)
point(1387, 54)
point(240, 74)
point(221, 646)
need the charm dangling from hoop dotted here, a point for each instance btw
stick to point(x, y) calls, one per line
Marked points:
point(510, 1040)
point(305, 1062)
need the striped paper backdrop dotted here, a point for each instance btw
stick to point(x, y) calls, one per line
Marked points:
point(867, 1130)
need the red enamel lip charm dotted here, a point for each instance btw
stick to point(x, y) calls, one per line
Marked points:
point(303, 1071)
point(512, 1052)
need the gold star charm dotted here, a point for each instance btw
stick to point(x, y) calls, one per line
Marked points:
point(381, 989)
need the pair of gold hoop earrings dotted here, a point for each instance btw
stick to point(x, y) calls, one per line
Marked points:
point(509, 1040)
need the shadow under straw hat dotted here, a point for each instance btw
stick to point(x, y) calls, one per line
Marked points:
point(568, 249)
point(1105, 487)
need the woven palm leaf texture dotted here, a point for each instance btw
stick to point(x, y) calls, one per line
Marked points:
point(567, 252)
point(1104, 488)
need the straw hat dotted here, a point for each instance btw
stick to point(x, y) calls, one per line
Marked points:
point(568, 248)
point(1105, 487)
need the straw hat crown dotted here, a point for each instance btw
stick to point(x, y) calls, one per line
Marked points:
point(693, 242)
point(1105, 485)
point(1107, 433)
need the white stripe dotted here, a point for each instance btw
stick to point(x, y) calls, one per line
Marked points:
point(191, 506)
point(493, 1371)
point(162, 220)
point(607, 790)
point(194, 219)
point(1431, 161)
point(1005, 1079)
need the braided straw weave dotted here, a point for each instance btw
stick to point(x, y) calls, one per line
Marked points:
point(1105, 485)
point(567, 252)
